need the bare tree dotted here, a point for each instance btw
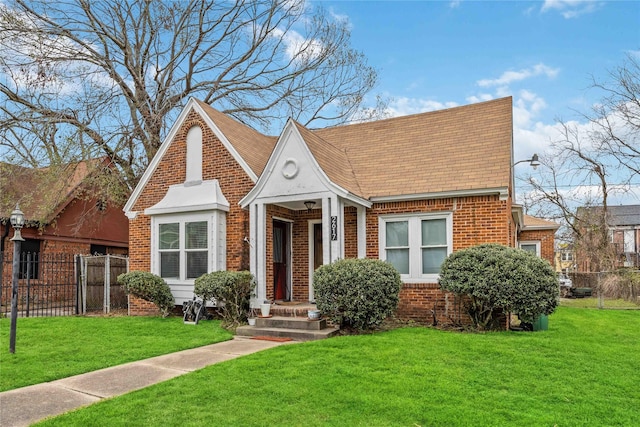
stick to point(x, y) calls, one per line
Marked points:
point(616, 118)
point(588, 163)
point(573, 189)
point(84, 78)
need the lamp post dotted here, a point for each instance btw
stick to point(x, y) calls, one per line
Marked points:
point(17, 222)
point(533, 162)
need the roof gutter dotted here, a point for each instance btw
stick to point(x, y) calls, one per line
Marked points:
point(503, 192)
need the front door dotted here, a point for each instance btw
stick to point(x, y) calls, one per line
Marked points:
point(280, 260)
point(317, 246)
point(315, 252)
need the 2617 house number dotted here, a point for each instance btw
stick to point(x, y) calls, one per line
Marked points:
point(334, 228)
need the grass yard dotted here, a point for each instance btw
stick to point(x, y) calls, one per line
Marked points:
point(49, 348)
point(592, 302)
point(583, 371)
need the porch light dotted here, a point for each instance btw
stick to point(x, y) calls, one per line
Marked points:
point(309, 204)
point(533, 162)
point(17, 222)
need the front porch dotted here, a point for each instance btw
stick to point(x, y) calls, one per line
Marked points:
point(296, 309)
point(289, 320)
point(288, 241)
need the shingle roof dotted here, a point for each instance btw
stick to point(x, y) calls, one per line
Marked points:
point(254, 147)
point(624, 215)
point(41, 192)
point(457, 149)
point(538, 223)
point(333, 160)
point(619, 215)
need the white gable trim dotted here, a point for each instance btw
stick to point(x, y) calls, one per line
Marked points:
point(191, 197)
point(218, 133)
point(153, 165)
point(288, 132)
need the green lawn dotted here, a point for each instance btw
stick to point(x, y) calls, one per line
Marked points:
point(49, 348)
point(592, 302)
point(583, 371)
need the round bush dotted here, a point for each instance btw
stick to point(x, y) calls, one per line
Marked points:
point(232, 288)
point(499, 278)
point(148, 287)
point(357, 293)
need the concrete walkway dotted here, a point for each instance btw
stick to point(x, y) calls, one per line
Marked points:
point(27, 405)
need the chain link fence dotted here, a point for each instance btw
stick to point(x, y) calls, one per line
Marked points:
point(609, 289)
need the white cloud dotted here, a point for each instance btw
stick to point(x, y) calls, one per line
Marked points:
point(454, 4)
point(338, 17)
point(404, 106)
point(512, 76)
point(297, 46)
point(571, 8)
point(480, 98)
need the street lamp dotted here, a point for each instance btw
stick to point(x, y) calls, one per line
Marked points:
point(17, 222)
point(533, 162)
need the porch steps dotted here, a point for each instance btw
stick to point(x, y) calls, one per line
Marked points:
point(296, 328)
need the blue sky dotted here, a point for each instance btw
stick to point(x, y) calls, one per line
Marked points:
point(436, 54)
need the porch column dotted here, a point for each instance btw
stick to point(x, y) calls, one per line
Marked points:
point(258, 250)
point(332, 217)
point(339, 243)
point(362, 231)
point(326, 230)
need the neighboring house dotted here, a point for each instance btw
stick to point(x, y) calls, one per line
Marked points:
point(623, 224)
point(65, 215)
point(410, 190)
point(565, 258)
point(537, 236)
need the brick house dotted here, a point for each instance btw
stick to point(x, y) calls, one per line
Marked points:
point(409, 190)
point(537, 235)
point(65, 215)
point(623, 223)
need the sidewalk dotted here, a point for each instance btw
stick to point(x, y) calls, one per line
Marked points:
point(27, 405)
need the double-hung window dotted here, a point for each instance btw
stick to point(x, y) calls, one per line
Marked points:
point(416, 244)
point(186, 246)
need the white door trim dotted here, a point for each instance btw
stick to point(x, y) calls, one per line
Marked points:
point(311, 252)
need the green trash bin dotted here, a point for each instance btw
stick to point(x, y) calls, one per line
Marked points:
point(541, 323)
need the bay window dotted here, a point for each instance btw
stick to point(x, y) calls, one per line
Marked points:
point(186, 244)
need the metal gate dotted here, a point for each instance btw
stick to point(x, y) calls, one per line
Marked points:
point(99, 290)
point(47, 284)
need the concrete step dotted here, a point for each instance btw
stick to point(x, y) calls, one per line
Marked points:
point(294, 334)
point(291, 323)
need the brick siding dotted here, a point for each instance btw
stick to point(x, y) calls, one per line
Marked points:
point(217, 163)
point(476, 219)
point(546, 239)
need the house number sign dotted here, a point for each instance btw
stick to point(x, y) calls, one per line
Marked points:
point(334, 228)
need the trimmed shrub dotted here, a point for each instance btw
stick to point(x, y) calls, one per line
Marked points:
point(230, 291)
point(148, 287)
point(357, 293)
point(498, 279)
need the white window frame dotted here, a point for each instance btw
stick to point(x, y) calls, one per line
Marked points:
point(216, 253)
point(415, 242)
point(566, 256)
point(531, 242)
